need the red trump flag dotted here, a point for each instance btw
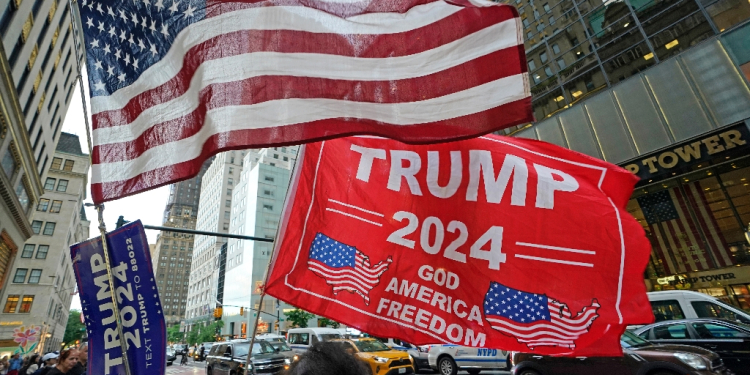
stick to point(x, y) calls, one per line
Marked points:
point(173, 83)
point(491, 242)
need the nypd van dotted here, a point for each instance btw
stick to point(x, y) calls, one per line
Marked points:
point(448, 359)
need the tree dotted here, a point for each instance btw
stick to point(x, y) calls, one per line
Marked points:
point(74, 330)
point(298, 317)
point(204, 333)
point(174, 334)
point(325, 322)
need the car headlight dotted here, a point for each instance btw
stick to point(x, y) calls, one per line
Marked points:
point(692, 360)
point(381, 359)
point(296, 358)
point(287, 361)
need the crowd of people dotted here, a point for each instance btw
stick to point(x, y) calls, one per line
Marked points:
point(67, 362)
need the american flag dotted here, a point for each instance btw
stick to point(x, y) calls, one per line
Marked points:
point(344, 267)
point(175, 81)
point(678, 245)
point(535, 319)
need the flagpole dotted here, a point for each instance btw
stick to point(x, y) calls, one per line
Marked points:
point(265, 277)
point(99, 207)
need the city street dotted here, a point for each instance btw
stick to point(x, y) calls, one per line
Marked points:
point(196, 368)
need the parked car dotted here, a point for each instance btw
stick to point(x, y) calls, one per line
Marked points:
point(685, 304)
point(640, 357)
point(381, 359)
point(180, 349)
point(730, 340)
point(448, 359)
point(229, 358)
point(171, 356)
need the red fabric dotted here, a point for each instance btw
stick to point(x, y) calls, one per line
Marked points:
point(565, 236)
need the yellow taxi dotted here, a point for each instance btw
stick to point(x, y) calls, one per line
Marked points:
point(381, 359)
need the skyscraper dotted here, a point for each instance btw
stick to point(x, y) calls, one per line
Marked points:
point(38, 69)
point(661, 88)
point(214, 210)
point(42, 282)
point(173, 252)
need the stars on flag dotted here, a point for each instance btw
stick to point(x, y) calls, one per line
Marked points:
point(124, 39)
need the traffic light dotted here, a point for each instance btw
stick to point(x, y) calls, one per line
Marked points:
point(242, 311)
point(276, 326)
point(218, 313)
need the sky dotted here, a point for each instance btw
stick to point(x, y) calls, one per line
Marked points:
point(147, 206)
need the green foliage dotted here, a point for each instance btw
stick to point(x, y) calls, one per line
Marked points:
point(174, 334)
point(325, 322)
point(74, 330)
point(207, 333)
point(298, 317)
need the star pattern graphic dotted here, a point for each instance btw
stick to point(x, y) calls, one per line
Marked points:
point(521, 307)
point(332, 253)
point(124, 39)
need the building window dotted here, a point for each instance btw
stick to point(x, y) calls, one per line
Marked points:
point(26, 304)
point(226, 215)
point(36, 226)
point(68, 165)
point(268, 207)
point(56, 205)
point(11, 303)
point(546, 8)
point(28, 250)
point(561, 64)
point(529, 35)
point(49, 228)
point(556, 48)
point(552, 20)
point(532, 65)
point(50, 184)
point(548, 71)
point(543, 57)
point(286, 158)
point(41, 252)
point(526, 22)
point(231, 170)
point(35, 275)
point(267, 192)
point(62, 185)
point(23, 197)
point(229, 192)
point(268, 178)
point(540, 27)
point(43, 204)
point(9, 163)
point(228, 203)
point(20, 276)
point(56, 163)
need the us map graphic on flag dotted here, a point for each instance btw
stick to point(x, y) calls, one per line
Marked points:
point(535, 319)
point(344, 267)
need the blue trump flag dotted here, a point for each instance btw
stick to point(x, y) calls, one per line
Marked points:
point(144, 330)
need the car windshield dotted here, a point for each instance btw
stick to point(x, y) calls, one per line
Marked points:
point(280, 345)
point(240, 350)
point(329, 336)
point(630, 340)
point(371, 346)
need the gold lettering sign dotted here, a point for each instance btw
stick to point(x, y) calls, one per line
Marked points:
point(14, 323)
point(687, 153)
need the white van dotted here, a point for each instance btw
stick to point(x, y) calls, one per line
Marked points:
point(684, 304)
point(301, 338)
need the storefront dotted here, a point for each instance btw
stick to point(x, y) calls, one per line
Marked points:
point(693, 202)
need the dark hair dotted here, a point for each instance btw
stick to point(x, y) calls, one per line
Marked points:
point(64, 355)
point(328, 358)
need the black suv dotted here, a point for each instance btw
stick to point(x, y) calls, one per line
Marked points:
point(229, 358)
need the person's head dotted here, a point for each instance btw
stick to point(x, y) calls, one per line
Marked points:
point(68, 359)
point(327, 358)
point(83, 353)
point(16, 356)
point(50, 359)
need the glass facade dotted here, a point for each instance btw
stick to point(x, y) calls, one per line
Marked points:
point(576, 48)
point(696, 224)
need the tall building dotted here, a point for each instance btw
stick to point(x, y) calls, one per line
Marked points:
point(258, 200)
point(38, 72)
point(662, 89)
point(42, 282)
point(214, 213)
point(173, 252)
